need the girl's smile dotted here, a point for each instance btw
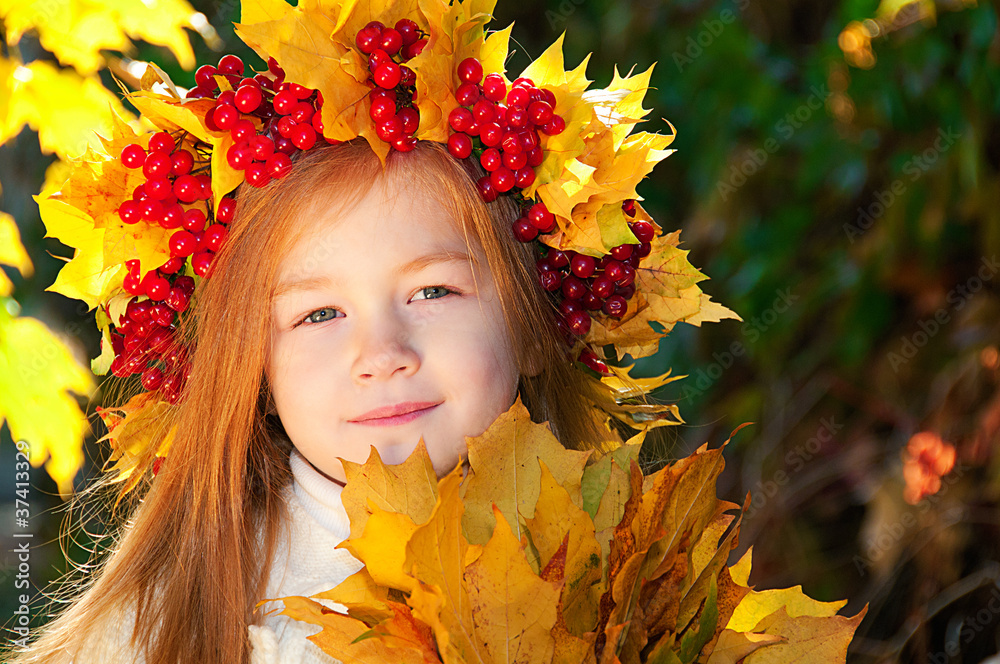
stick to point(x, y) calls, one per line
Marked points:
point(387, 329)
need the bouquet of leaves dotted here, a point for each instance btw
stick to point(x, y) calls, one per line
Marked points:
point(542, 554)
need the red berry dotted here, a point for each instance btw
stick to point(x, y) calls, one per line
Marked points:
point(517, 116)
point(408, 31)
point(410, 119)
point(156, 287)
point(204, 77)
point(172, 266)
point(227, 206)
point(161, 141)
point(541, 218)
point(367, 40)
point(535, 157)
point(182, 161)
point(490, 134)
point(278, 165)
point(459, 145)
point(603, 287)
point(391, 41)
point(555, 126)
point(591, 302)
point(256, 174)
point(187, 188)
point(512, 144)
point(186, 283)
point(490, 160)
point(484, 111)
point(582, 265)
point(158, 188)
point(470, 71)
point(518, 97)
point(162, 315)
point(231, 64)
point(178, 299)
point(303, 112)
point(239, 156)
point(404, 143)
point(387, 75)
point(133, 156)
point(157, 164)
point(173, 216)
point(524, 177)
point(539, 112)
point(573, 288)
point(614, 270)
point(643, 230)
point(283, 145)
point(182, 243)
point(152, 210)
point(494, 87)
point(461, 119)
point(414, 49)
point(558, 258)
point(285, 126)
point(551, 281)
point(644, 250)
point(378, 57)
point(622, 251)
point(131, 284)
point(390, 130)
point(262, 146)
point(215, 237)
point(248, 98)
point(225, 116)
point(486, 190)
point(578, 322)
point(382, 109)
point(627, 276)
point(201, 262)
point(524, 231)
point(284, 102)
point(194, 220)
point(272, 66)
point(467, 94)
point(152, 378)
point(407, 77)
point(130, 212)
point(628, 206)
point(615, 306)
point(502, 179)
point(303, 136)
point(138, 310)
point(626, 291)
point(528, 140)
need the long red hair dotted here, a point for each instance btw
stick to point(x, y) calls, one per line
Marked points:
point(192, 561)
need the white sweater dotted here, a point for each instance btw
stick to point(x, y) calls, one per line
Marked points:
point(307, 563)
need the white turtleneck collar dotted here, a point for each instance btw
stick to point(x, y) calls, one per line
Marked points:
point(319, 496)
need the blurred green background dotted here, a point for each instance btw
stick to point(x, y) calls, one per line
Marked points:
point(836, 176)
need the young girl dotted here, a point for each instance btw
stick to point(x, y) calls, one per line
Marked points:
point(359, 301)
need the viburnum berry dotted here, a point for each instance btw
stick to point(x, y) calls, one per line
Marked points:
point(539, 112)
point(177, 299)
point(603, 287)
point(554, 126)
point(459, 145)
point(256, 174)
point(132, 284)
point(262, 146)
point(161, 141)
point(303, 112)
point(378, 57)
point(152, 210)
point(279, 165)
point(182, 243)
point(172, 266)
point(614, 270)
point(407, 77)
point(524, 177)
point(194, 220)
point(186, 283)
point(490, 134)
point(408, 31)
point(152, 378)
point(284, 102)
point(644, 250)
point(215, 237)
point(225, 116)
point(626, 291)
point(412, 50)
point(460, 119)
point(173, 216)
point(470, 70)
point(494, 87)
point(551, 281)
point(157, 164)
point(622, 251)
point(502, 179)
point(133, 156)
point(285, 126)
point(387, 75)
point(382, 108)
point(582, 265)
point(524, 231)
point(558, 258)
point(231, 64)
point(484, 111)
point(490, 160)
point(201, 262)
point(303, 136)
point(187, 188)
point(156, 287)
point(627, 276)
point(578, 322)
point(301, 92)
point(162, 315)
point(204, 76)
point(390, 130)
point(404, 143)
point(130, 212)
point(591, 302)
point(410, 119)
point(390, 41)
point(615, 306)
point(643, 230)
point(367, 39)
point(242, 130)
point(227, 206)
point(138, 310)
point(535, 157)
point(486, 190)
point(540, 217)
point(239, 156)
point(248, 98)
point(573, 288)
point(467, 94)
point(283, 145)
point(512, 144)
point(518, 97)
point(517, 116)
point(182, 161)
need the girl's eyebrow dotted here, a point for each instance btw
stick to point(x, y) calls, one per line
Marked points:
point(417, 264)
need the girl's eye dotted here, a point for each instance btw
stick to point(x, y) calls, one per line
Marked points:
point(433, 292)
point(320, 316)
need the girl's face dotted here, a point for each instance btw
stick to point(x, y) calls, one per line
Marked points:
point(386, 330)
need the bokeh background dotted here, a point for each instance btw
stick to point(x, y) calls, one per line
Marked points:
point(837, 175)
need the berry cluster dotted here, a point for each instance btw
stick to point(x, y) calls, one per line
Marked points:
point(501, 127)
point(391, 98)
point(144, 340)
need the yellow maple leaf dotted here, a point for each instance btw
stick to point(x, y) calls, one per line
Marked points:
point(38, 377)
point(65, 108)
point(12, 252)
point(76, 31)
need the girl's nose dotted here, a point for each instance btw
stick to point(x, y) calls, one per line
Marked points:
point(384, 350)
